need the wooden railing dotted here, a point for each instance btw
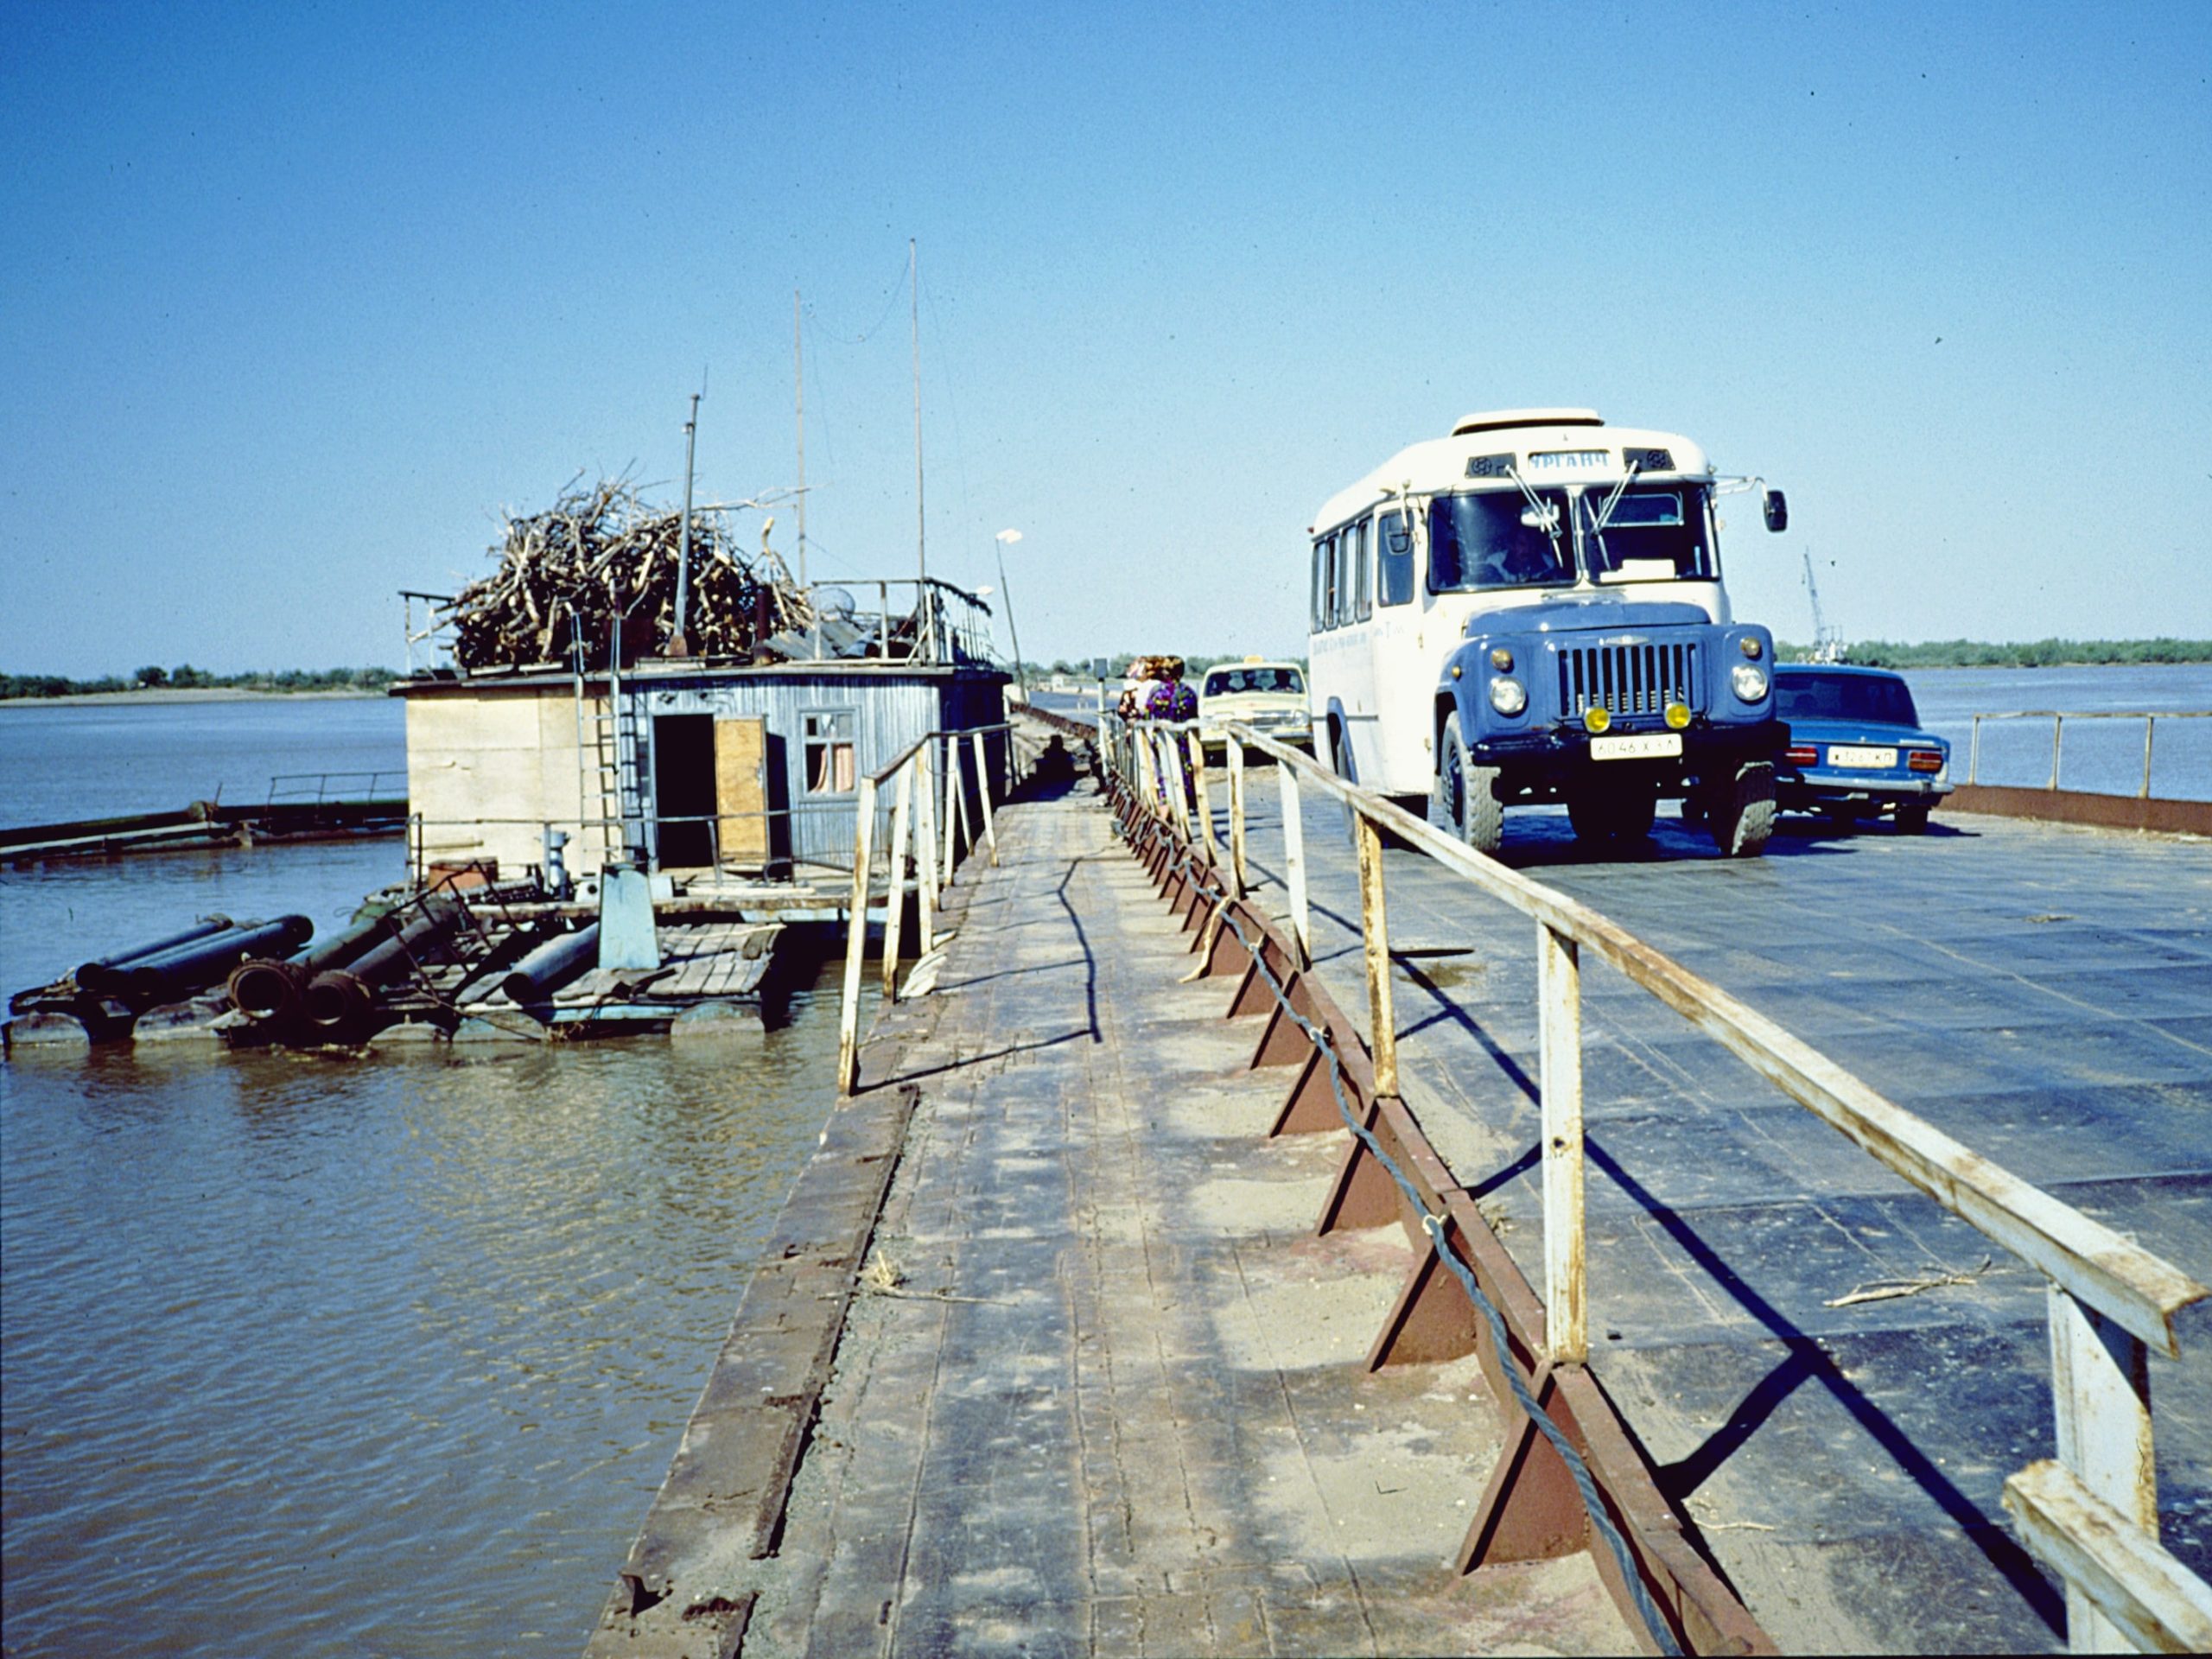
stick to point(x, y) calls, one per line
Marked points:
point(2093, 1516)
point(933, 832)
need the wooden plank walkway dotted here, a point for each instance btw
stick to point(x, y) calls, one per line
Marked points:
point(1098, 1388)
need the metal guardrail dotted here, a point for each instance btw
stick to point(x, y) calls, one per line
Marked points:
point(2109, 1299)
point(335, 788)
point(2058, 717)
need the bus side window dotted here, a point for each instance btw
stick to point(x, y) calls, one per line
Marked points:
point(1320, 584)
point(1362, 578)
point(1343, 576)
point(1395, 562)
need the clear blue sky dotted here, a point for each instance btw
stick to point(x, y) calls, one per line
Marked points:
point(293, 300)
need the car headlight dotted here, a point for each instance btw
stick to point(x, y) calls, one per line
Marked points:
point(1750, 682)
point(1507, 696)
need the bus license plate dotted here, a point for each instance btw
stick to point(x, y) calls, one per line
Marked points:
point(1851, 757)
point(1636, 746)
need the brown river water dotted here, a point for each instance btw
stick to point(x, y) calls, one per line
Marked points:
point(380, 1354)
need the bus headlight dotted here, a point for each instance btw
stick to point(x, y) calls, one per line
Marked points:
point(1750, 682)
point(1507, 697)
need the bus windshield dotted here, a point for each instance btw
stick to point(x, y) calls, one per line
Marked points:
point(1628, 536)
point(1486, 541)
point(1497, 538)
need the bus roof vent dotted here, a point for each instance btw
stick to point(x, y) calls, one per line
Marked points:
point(1502, 417)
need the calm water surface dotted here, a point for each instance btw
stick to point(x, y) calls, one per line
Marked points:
point(324, 1356)
point(67, 760)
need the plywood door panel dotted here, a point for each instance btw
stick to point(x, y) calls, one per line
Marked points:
point(741, 790)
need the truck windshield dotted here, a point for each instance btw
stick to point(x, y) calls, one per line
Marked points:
point(1485, 541)
point(1629, 537)
point(1236, 682)
point(1876, 698)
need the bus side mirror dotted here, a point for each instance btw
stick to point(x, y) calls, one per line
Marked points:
point(1777, 511)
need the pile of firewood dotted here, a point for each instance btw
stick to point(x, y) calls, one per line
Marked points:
point(601, 566)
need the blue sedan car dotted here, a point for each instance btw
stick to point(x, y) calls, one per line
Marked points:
point(1857, 747)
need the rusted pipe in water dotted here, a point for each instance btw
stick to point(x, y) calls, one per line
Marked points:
point(88, 973)
point(341, 1002)
point(552, 965)
point(174, 975)
point(267, 990)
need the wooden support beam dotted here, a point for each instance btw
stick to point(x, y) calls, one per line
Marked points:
point(2100, 1395)
point(1559, 981)
point(848, 1012)
point(2145, 1601)
point(902, 829)
point(1375, 940)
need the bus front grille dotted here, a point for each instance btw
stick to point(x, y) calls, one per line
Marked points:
point(1626, 679)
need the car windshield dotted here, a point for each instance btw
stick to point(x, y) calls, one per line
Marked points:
point(1503, 538)
point(1879, 698)
point(1235, 681)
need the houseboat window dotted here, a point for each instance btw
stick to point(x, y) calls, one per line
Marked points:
point(1396, 548)
point(1363, 577)
point(1497, 539)
point(828, 753)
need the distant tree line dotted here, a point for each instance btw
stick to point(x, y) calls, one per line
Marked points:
point(184, 675)
point(2035, 653)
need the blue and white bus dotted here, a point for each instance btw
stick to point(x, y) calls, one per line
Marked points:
point(1531, 610)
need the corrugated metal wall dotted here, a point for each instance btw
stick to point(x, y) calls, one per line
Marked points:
point(889, 712)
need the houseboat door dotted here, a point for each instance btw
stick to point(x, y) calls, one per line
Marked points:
point(684, 791)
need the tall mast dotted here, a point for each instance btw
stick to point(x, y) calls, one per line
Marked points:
point(798, 399)
point(921, 534)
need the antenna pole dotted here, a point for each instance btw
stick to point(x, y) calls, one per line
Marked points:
point(679, 640)
point(798, 399)
point(921, 533)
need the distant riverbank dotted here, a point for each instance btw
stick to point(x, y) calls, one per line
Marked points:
point(152, 695)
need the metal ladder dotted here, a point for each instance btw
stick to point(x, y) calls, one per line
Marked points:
point(608, 779)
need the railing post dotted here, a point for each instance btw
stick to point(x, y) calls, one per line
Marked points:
point(894, 902)
point(1234, 757)
point(952, 786)
point(925, 851)
point(2149, 725)
point(1559, 998)
point(849, 1014)
point(1375, 938)
point(2057, 730)
point(983, 791)
point(1196, 746)
point(1178, 780)
point(2101, 1393)
point(1973, 754)
point(957, 768)
point(1293, 864)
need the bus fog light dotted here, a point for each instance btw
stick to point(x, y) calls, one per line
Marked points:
point(1751, 648)
point(1595, 719)
point(1750, 683)
point(1678, 714)
point(1501, 659)
point(1507, 697)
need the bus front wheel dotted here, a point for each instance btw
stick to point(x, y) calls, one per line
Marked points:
point(1464, 798)
point(1740, 812)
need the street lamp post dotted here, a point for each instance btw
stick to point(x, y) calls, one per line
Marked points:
point(1004, 538)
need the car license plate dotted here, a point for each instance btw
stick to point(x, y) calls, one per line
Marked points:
point(1843, 756)
point(1636, 746)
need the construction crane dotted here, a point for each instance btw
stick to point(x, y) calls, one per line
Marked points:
point(1827, 642)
